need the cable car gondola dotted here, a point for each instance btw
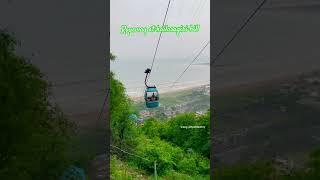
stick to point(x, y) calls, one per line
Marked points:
point(151, 94)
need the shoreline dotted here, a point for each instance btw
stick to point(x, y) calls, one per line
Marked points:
point(175, 90)
point(237, 88)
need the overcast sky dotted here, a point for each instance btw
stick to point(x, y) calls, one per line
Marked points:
point(145, 13)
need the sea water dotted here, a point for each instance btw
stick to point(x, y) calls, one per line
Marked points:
point(165, 71)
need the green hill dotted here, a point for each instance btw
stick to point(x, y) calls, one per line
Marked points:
point(178, 153)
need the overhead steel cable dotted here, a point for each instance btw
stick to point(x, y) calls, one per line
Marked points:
point(164, 20)
point(199, 10)
point(238, 31)
point(196, 7)
point(190, 64)
point(103, 105)
point(129, 153)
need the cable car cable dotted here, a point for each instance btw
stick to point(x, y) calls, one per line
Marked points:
point(190, 63)
point(153, 101)
point(238, 31)
point(154, 56)
point(129, 153)
point(199, 10)
point(103, 105)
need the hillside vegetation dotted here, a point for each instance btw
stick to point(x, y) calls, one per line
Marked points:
point(179, 153)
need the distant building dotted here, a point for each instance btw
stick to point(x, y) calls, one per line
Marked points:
point(133, 117)
point(144, 114)
point(199, 113)
point(169, 114)
point(140, 121)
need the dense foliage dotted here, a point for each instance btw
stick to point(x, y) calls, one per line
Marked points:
point(33, 132)
point(122, 126)
point(171, 130)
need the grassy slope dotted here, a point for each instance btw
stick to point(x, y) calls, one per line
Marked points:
point(121, 170)
point(124, 171)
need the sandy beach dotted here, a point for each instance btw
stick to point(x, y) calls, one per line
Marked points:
point(189, 86)
point(166, 88)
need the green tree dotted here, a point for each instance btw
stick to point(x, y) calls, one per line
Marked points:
point(169, 158)
point(153, 128)
point(34, 133)
point(112, 57)
point(313, 165)
point(122, 127)
point(196, 139)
